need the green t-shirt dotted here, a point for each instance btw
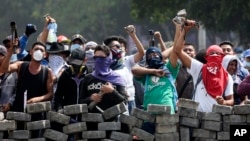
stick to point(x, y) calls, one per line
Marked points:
point(159, 90)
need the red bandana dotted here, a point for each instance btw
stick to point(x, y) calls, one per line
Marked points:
point(214, 76)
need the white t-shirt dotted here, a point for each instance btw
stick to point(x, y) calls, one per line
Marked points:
point(206, 102)
point(126, 73)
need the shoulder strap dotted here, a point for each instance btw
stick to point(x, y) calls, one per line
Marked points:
point(22, 70)
point(198, 81)
point(44, 73)
point(185, 85)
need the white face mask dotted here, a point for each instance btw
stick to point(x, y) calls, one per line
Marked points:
point(38, 55)
point(74, 46)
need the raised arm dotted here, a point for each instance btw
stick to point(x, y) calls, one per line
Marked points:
point(163, 47)
point(179, 44)
point(139, 71)
point(140, 50)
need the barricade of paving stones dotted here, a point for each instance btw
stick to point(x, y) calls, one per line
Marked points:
point(186, 125)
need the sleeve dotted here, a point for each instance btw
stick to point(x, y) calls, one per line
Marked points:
point(229, 88)
point(23, 44)
point(174, 71)
point(119, 94)
point(58, 96)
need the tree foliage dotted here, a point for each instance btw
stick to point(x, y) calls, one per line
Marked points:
point(217, 15)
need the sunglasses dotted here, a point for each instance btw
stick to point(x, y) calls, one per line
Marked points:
point(95, 57)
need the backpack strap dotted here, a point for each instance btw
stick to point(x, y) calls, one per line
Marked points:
point(195, 87)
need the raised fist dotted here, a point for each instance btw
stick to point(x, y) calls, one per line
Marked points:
point(30, 29)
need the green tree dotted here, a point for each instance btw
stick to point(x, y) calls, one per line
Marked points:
point(217, 16)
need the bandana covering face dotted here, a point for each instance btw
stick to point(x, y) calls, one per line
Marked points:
point(117, 58)
point(214, 76)
point(103, 72)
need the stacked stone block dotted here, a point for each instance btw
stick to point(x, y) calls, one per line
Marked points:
point(187, 124)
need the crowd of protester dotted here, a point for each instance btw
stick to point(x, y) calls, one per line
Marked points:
point(68, 71)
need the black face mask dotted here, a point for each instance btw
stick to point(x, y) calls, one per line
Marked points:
point(155, 62)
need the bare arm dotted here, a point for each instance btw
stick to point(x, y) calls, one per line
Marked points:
point(139, 71)
point(179, 44)
point(157, 34)
point(140, 50)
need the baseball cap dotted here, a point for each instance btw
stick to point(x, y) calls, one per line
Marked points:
point(77, 56)
point(78, 37)
point(247, 53)
point(3, 50)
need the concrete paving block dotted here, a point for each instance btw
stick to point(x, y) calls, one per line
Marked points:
point(223, 136)
point(202, 133)
point(167, 137)
point(241, 109)
point(6, 125)
point(118, 136)
point(188, 103)
point(109, 126)
point(94, 134)
point(57, 117)
point(18, 116)
point(166, 128)
point(38, 107)
point(211, 125)
point(158, 109)
point(211, 116)
point(20, 134)
point(55, 135)
point(114, 111)
point(37, 139)
point(167, 118)
point(131, 120)
point(92, 117)
point(190, 122)
point(74, 128)
point(234, 118)
point(204, 139)
point(141, 114)
point(142, 135)
point(35, 125)
point(184, 133)
point(75, 109)
point(226, 125)
point(248, 118)
point(222, 109)
point(187, 112)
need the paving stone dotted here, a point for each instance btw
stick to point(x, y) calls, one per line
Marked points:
point(167, 118)
point(35, 125)
point(114, 111)
point(169, 136)
point(187, 112)
point(143, 135)
point(38, 107)
point(211, 116)
point(94, 134)
point(211, 125)
point(74, 128)
point(55, 135)
point(118, 136)
point(241, 109)
point(18, 116)
point(57, 117)
point(141, 114)
point(109, 126)
point(222, 109)
point(202, 133)
point(223, 135)
point(6, 125)
point(158, 109)
point(20, 134)
point(234, 118)
point(190, 122)
point(182, 102)
point(75, 109)
point(92, 117)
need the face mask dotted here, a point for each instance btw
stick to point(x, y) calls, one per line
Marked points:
point(155, 62)
point(38, 55)
point(214, 59)
point(74, 46)
point(76, 68)
point(247, 64)
point(117, 60)
point(56, 62)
